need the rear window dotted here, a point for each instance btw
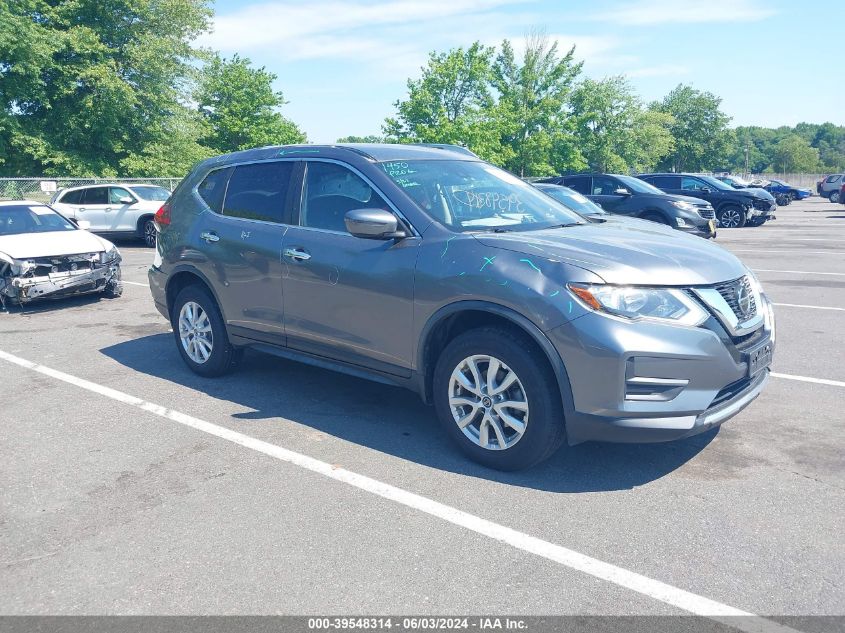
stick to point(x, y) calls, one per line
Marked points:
point(259, 191)
point(213, 188)
point(72, 197)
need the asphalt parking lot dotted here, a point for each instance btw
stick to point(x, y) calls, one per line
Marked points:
point(111, 505)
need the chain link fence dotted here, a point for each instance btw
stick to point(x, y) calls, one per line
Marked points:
point(42, 189)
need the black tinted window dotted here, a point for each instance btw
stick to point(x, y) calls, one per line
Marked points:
point(605, 186)
point(664, 182)
point(330, 192)
point(213, 188)
point(73, 197)
point(96, 195)
point(258, 191)
point(581, 184)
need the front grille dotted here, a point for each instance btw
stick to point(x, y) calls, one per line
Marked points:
point(707, 214)
point(730, 292)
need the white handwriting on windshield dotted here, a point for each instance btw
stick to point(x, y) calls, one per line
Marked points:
point(509, 203)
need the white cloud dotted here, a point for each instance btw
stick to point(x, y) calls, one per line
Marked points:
point(650, 12)
point(662, 70)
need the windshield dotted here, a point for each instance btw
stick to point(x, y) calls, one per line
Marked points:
point(739, 181)
point(18, 219)
point(716, 184)
point(476, 196)
point(640, 186)
point(156, 194)
point(572, 199)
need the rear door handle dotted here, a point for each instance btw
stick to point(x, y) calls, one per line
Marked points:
point(81, 209)
point(297, 254)
point(210, 237)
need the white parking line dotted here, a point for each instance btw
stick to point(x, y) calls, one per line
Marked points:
point(786, 250)
point(818, 381)
point(797, 272)
point(655, 589)
point(136, 283)
point(801, 305)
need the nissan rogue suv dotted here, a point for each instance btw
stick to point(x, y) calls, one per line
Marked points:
point(524, 323)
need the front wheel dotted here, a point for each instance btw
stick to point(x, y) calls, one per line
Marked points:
point(732, 217)
point(201, 333)
point(498, 400)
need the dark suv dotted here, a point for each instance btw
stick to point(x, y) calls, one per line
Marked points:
point(523, 322)
point(734, 207)
point(625, 195)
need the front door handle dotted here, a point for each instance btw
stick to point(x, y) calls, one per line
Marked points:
point(210, 237)
point(297, 254)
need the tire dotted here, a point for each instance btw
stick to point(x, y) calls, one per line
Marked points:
point(535, 386)
point(147, 231)
point(755, 223)
point(196, 318)
point(655, 217)
point(731, 217)
point(834, 196)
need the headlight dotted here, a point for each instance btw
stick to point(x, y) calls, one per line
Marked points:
point(686, 206)
point(680, 222)
point(633, 302)
point(109, 255)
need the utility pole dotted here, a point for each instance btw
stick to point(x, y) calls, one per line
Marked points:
point(746, 158)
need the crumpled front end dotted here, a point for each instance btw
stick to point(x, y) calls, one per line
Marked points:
point(25, 280)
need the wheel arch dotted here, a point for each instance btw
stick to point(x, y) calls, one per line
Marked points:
point(667, 218)
point(462, 316)
point(182, 277)
point(139, 225)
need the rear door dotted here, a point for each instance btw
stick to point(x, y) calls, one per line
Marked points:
point(68, 203)
point(347, 298)
point(95, 208)
point(240, 241)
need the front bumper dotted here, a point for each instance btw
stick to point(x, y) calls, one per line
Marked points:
point(706, 229)
point(24, 289)
point(645, 381)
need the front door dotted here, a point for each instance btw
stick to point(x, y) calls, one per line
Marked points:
point(240, 243)
point(122, 216)
point(347, 298)
point(604, 193)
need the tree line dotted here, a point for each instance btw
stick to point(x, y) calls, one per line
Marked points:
point(115, 88)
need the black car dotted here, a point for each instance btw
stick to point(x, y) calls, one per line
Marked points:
point(626, 195)
point(734, 207)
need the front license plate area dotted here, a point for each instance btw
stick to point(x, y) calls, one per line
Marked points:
point(758, 359)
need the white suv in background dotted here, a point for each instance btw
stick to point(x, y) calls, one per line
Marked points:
point(114, 209)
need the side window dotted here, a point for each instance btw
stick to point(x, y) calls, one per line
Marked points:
point(691, 184)
point(96, 195)
point(604, 186)
point(72, 197)
point(259, 191)
point(664, 182)
point(116, 193)
point(833, 178)
point(580, 184)
point(213, 188)
point(331, 191)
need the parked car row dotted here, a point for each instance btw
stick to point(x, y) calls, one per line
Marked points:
point(783, 192)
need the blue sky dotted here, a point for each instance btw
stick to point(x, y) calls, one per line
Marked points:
point(343, 63)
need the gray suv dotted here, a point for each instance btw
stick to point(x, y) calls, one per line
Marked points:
point(524, 323)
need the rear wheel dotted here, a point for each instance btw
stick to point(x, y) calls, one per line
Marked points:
point(201, 333)
point(497, 400)
point(834, 196)
point(731, 217)
point(148, 232)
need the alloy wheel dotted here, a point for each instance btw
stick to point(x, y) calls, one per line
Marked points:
point(730, 218)
point(488, 402)
point(150, 233)
point(195, 332)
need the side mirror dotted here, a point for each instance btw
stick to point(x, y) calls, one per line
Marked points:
point(82, 224)
point(126, 200)
point(622, 192)
point(706, 189)
point(373, 224)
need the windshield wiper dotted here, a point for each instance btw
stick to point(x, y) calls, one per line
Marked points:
point(562, 226)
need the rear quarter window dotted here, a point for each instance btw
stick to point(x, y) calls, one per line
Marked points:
point(72, 197)
point(213, 188)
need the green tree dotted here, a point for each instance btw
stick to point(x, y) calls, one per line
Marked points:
point(370, 138)
point(531, 116)
point(794, 154)
point(241, 107)
point(87, 84)
point(173, 149)
point(449, 103)
point(614, 133)
point(700, 130)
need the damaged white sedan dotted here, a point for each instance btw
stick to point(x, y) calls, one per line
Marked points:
point(45, 255)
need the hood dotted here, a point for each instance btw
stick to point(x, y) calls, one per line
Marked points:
point(699, 202)
point(627, 253)
point(754, 193)
point(53, 243)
